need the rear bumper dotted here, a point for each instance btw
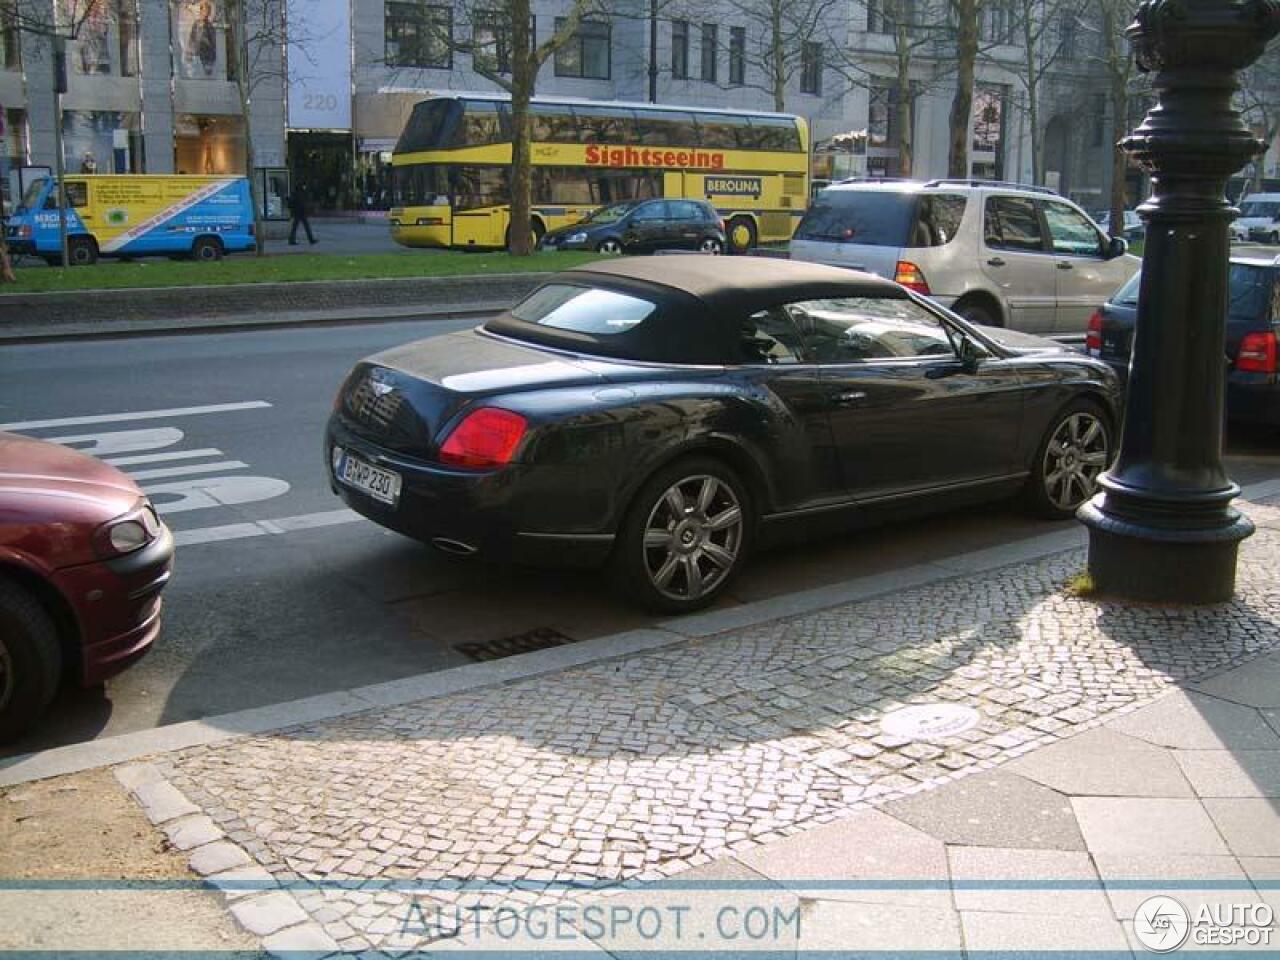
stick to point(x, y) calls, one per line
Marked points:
point(487, 515)
point(1251, 397)
point(117, 606)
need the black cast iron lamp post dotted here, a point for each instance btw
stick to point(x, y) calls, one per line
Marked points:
point(1162, 527)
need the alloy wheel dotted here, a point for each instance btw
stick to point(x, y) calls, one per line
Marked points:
point(710, 245)
point(693, 537)
point(610, 246)
point(1075, 457)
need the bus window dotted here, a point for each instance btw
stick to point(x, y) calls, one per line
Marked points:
point(666, 128)
point(475, 187)
point(430, 126)
point(420, 185)
point(606, 125)
point(553, 123)
point(480, 125)
point(723, 133)
point(775, 133)
point(615, 185)
point(568, 185)
point(77, 195)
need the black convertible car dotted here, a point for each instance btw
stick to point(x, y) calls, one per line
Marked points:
point(666, 414)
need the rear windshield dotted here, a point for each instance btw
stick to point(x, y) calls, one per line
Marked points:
point(565, 306)
point(1260, 208)
point(883, 219)
point(1250, 290)
point(865, 217)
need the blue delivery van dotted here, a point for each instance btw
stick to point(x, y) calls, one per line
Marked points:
point(135, 215)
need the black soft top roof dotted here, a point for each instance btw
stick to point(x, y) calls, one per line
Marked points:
point(701, 301)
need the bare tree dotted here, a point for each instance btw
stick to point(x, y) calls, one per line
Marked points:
point(966, 14)
point(58, 23)
point(1260, 103)
point(1047, 31)
point(784, 38)
point(912, 25)
point(1114, 16)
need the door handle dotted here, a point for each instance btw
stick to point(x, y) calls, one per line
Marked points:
point(1063, 265)
point(995, 262)
point(846, 397)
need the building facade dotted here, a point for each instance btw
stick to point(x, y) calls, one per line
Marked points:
point(155, 86)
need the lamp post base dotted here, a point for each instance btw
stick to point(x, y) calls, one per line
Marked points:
point(1155, 564)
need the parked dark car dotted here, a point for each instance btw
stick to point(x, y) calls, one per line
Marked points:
point(666, 414)
point(644, 226)
point(83, 559)
point(1253, 320)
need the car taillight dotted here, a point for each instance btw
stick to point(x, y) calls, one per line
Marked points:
point(1093, 339)
point(485, 438)
point(1257, 353)
point(911, 277)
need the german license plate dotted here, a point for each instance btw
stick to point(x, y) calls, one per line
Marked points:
point(382, 485)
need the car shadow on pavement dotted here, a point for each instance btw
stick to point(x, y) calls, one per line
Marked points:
point(601, 773)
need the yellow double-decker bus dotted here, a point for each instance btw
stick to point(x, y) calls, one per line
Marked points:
point(452, 162)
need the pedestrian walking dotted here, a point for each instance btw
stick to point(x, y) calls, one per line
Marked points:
point(298, 211)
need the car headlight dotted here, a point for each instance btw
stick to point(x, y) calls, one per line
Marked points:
point(576, 238)
point(128, 532)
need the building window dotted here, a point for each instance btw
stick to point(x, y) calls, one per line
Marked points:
point(1067, 35)
point(491, 41)
point(1097, 119)
point(680, 49)
point(811, 67)
point(999, 20)
point(418, 35)
point(10, 56)
point(208, 144)
point(989, 130)
point(737, 56)
point(91, 141)
point(709, 52)
point(204, 46)
point(882, 115)
point(587, 53)
point(884, 16)
point(106, 39)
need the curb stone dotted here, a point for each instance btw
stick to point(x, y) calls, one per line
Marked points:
point(246, 887)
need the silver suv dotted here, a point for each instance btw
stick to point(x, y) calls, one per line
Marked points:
point(998, 254)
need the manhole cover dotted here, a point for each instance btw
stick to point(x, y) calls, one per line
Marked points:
point(929, 721)
point(540, 638)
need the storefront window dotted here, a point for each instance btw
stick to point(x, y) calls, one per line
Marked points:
point(13, 154)
point(101, 141)
point(105, 37)
point(273, 191)
point(208, 144)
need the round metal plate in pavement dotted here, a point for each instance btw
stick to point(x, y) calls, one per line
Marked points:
point(929, 721)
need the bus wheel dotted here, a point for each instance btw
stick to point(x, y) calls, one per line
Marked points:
point(82, 251)
point(207, 249)
point(742, 234)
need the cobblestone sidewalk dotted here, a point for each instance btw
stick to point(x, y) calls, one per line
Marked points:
point(637, 769)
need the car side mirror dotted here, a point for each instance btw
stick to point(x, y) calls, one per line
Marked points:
point(1118, 247)
point(971, 353)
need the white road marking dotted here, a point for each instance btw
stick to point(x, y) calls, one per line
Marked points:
point(122, 441)
point(183, 495)
point(161, 457)
point(136, 415)
point(188, 470)
point(261, 528)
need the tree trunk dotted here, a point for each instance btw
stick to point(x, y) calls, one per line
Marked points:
point(1033, 99)
point(238, 16)
point(778, 56)
point(962, 102)
point(524, 76)
point(905, 104)
point(1117, 63)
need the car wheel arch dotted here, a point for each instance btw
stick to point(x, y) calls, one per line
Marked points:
point(985, 300)
point(55, 604)
point(731, 452)
point(1086, 393)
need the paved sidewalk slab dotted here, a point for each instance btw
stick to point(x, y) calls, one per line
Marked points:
point(1232, 773)
point(1251, 826)
point(1194, 721)
point(1255, 685)
point(1105, 763)
point(1056, 934)
point(1140, 825)
point(1001, 880)
point(1130, 878)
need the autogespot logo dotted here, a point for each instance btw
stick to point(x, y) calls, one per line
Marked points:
point(1161, 924)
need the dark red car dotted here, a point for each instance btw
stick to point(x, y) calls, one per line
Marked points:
point(83, 558)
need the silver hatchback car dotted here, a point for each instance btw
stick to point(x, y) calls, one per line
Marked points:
point(997, 254)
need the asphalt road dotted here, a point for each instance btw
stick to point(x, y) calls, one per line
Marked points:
point(279, 593)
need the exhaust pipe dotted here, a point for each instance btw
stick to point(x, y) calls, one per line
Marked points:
point(455, 547)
